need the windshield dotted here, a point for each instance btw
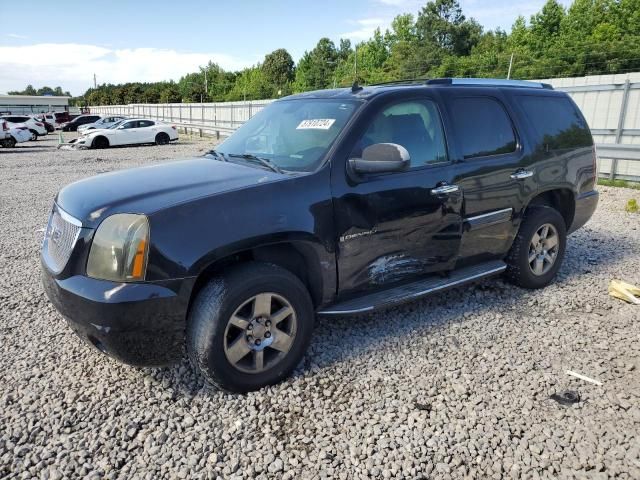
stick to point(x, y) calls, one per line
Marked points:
point(292, 134)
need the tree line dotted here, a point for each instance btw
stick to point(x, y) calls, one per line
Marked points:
point(30, 90)
point(590, 37)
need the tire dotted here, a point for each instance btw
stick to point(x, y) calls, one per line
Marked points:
point(550, 251)
point(211, 336)
point(34, 135)
point(162, 139)
point(9, 142)
point(100, 142)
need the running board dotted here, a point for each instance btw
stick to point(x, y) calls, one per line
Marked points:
point(412, 291)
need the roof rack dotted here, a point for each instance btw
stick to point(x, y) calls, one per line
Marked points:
point(406, 81)
point(488, 82)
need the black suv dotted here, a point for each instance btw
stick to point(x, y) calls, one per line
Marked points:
point(332, 202)
point(73, 125)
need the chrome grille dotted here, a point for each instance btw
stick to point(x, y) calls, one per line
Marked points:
point(60, 238)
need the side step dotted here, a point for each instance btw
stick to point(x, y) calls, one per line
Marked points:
point(412, 291)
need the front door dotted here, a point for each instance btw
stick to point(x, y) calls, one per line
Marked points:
point(395, 226)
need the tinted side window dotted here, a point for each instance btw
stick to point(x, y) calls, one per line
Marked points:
point(482, 127)
point(556, 121)
point(415, 125)
point(133, 124)
point(145, 123)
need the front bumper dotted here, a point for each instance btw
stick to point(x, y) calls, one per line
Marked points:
point(586, 204)
point(140, 324)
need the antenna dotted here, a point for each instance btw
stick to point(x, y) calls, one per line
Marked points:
point(355, 87)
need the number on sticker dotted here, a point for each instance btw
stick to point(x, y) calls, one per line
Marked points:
point(316, 123)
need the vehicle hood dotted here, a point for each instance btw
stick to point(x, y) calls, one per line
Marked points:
point(95, 130)
point(149, 189)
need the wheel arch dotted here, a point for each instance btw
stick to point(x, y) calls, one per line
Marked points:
point(562, 199)
point(100, 137)
point(307, 259)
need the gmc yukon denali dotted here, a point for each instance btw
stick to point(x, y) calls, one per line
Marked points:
point(333, 202)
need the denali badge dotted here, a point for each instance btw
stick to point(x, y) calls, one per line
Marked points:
point(351, 236)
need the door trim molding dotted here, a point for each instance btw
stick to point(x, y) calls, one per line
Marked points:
point(487, 219)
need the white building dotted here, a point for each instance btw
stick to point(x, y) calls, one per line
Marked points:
point(28, 104)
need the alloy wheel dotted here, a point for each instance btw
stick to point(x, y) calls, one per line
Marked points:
point(543, 249)
point(260, 333)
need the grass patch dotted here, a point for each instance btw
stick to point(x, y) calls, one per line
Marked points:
point(618, 183)
point(632, 206)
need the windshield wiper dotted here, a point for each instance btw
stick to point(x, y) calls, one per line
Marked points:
point(263, 161)
point(218, 155)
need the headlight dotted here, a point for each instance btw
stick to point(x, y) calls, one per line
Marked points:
point(119, 249)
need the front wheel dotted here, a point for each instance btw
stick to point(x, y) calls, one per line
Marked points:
point(34, 135)
point(100, 142)
point(538, 249)
point(249, 327)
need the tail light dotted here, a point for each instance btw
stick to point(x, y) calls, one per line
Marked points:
point(174, 127)
point(39, 124)
point(5, 126)
point(595, 161)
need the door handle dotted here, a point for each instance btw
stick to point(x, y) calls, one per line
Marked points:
point(521, 174)
point(445, 189)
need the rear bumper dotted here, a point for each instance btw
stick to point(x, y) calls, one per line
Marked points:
point(136, 323)
point(586, 204)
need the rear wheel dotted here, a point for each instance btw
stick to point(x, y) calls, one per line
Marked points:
point(249, 327)
point(162, 138)
point(9, 142)
point(100, 142)
point(538, 249)
point(34, 135)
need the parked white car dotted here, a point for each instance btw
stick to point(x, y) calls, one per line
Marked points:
point(129, 132)
point(17, 133)
point(36, 128)
point(104, 122)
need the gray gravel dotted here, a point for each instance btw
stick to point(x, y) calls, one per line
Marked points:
point(454, 386)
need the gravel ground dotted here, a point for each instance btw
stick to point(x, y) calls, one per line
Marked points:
point(450, 387)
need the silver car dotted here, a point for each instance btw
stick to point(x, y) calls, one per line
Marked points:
point(104, 122)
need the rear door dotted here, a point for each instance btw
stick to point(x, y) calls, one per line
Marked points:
point(391, 227)
point(147, 131)
point(493, 168)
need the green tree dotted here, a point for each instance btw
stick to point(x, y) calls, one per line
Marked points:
point(315, 69)
point(442, 25)
point(278, 70)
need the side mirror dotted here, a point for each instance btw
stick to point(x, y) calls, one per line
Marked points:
point(381, 158)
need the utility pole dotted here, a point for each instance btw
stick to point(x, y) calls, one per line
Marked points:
point(510, 65)
point(95, 85)
point(206, 90)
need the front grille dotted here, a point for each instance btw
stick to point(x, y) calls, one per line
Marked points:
point(60, 238)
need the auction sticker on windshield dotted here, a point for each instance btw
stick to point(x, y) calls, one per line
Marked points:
point(316, 123)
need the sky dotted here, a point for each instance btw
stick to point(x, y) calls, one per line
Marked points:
point(66, 43)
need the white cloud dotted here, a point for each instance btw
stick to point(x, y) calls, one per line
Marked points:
point(15, 35)
point(72, 65)
point(366, 28)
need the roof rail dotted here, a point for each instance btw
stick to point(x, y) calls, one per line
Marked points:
point(488, 82)
point(406, 81)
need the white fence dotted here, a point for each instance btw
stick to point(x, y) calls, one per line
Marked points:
point(610, 103)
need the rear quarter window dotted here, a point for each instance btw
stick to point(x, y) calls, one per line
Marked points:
point(556, 121)
point(482, 127)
